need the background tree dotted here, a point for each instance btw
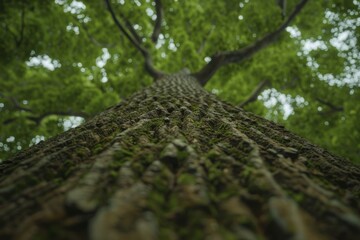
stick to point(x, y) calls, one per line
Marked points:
point(173, 159)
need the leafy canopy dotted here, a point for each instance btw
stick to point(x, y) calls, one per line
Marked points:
point(63, 61)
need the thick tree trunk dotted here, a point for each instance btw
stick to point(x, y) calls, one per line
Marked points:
point(174, 162)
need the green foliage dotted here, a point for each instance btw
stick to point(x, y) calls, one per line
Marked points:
point(62, 59)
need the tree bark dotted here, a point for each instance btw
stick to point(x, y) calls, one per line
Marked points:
point(174, 162)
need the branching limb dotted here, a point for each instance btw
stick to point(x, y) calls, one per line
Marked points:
point(257, 91)
point(134, 39)
point(158, 21)
point(226, 57)
point(123, 30)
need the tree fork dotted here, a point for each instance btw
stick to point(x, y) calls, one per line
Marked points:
point(174, 162)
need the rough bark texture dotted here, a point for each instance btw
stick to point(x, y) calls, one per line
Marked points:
point(174, 162)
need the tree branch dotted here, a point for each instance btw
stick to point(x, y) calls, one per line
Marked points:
point(282, 5)
point(38, 119)
point(69, 113)
point(330, 105)
point(257, 91)
point(226, 57)
point(15, 104)
point(137, 44)
point(202, 45)
point(22, 27)
point(131, 29)
point(159, 17)
point(18, 39)
point(93, 39)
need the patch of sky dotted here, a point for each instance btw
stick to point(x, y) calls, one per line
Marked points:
point(272, 98)
point(344, 40)
point(207, 59)
point(137, 2)
point(76, 8)
point(102, 60)
point(215, 91)
point(37, 139)
point(73, 28)
point(4, 147)
point(151, 13)
point(10, 139)
point(71, 122)
point(172, 46)
point(104, 77)
point(43, 61)
point(80, 66)
point(161, 41)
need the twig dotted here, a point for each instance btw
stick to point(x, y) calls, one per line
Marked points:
point(205, 39)
point(254, 95)
point(22, 27)
point(158, 21)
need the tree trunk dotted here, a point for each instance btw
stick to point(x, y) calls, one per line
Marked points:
point(174, 162)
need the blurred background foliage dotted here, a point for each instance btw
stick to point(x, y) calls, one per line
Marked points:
point(63, 61)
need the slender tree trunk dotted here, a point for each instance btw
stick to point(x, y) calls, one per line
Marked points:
point(174, 162)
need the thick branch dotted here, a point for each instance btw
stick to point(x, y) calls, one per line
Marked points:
point(227, 57)
point(158, 21)
point(134, 40)
point(38, 119)
point(70, 113)
point(254, 95)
